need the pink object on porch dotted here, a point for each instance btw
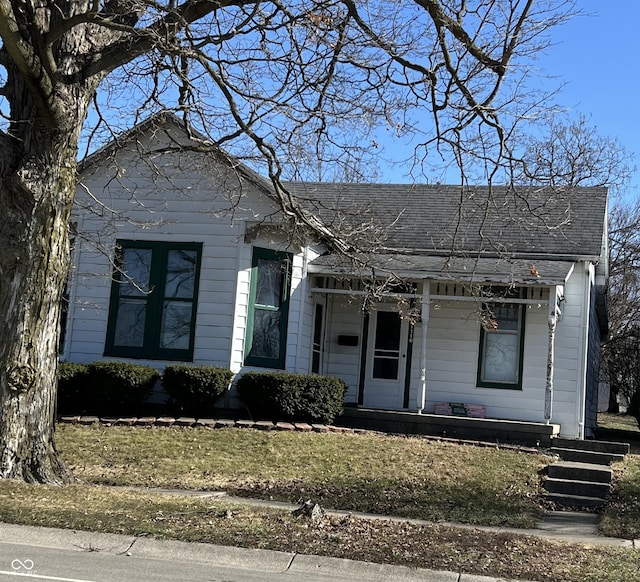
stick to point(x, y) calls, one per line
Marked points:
point(458, 409)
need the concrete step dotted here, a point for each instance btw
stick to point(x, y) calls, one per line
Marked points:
point(591, 445)
point(570, 523)
point(580, 472)
point(574, 500)
point(595, 457)
point(573, 487)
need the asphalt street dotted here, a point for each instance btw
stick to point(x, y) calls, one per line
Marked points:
point(31, 553)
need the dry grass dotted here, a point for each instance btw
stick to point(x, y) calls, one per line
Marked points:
point(623, 422)
point(100, 508)
point(621, 516)
point(409, 477)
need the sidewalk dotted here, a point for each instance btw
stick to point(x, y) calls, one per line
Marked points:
point(565, 526)
point(579, 528)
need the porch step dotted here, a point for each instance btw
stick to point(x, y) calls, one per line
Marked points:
point(575, 500)
point(582, 478)
point(577, 488)
point(582, 456)
point(592, 445)
point(580, 472)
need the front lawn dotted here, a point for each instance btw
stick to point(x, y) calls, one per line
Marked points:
point(391, 475)
point(411, 477)
point(438, 547)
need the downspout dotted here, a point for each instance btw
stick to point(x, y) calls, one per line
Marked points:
point(72, 282)
point(425, 310)
point(237, 338)
point(304, 293)
point(553, 320)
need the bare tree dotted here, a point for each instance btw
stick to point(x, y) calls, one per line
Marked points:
point(265, 77)
point(621, 353)
point(571, 152)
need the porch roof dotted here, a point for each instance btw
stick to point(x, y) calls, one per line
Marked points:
point(438, 268)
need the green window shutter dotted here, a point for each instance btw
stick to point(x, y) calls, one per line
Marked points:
point(268, 314)
point(154, 295)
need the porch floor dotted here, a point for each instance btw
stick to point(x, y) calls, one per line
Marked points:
point(457, 427)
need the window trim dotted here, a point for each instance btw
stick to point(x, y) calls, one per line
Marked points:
point(150, 349)
point(283, 308)
point(480, 383)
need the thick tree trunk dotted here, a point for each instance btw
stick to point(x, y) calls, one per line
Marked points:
point(37, 185)
point(36, 199)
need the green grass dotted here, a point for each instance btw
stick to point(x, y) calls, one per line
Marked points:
point(409, 477)
point(100, 508)
point(622, 422)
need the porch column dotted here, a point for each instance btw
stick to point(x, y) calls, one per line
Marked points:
point(553, 320)
point(425, 308)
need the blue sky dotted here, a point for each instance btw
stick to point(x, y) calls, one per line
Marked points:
point(594, 64)
point(598, 57)
point(595, 56)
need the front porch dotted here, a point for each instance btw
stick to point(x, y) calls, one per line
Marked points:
point(484, 429)
point(426, 343)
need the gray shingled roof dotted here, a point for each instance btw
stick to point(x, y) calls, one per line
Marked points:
point(441, 220)
point(529, 223)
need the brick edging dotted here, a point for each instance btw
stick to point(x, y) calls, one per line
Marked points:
point(265, 425)
point(190, 422)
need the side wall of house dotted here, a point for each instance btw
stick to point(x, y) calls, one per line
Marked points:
point(571, 353)
point(593, 368)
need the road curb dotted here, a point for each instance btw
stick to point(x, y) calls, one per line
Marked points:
point(256, 560)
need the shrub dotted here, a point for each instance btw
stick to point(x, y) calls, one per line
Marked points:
point(72, 388)
point(294, 397)
point(120, 388)
point(192, 390)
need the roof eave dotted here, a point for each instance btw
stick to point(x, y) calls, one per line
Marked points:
point(478, 278)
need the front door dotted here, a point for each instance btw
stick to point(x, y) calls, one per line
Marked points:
point(386, 360)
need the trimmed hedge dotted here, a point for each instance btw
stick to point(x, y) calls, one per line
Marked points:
point(193, 390)
point(120, 388)
point(73, 396)
point(294, 397)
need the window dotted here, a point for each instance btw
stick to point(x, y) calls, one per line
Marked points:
point(386, 348)
point(153, 300)
point(268, 308)
point(501, 347)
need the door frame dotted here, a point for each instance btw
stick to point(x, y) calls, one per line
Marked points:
point(367, 382)
point(321, 347)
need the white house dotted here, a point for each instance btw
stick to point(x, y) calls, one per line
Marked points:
point(496, 298)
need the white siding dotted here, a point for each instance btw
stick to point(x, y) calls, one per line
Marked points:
point(452, 360)
point(344, 318)
point(571, 342)
point(182, 198)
